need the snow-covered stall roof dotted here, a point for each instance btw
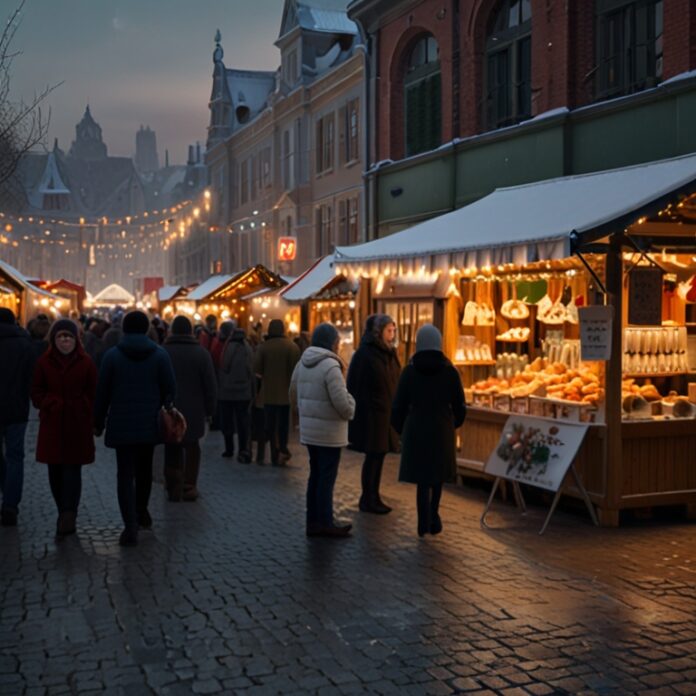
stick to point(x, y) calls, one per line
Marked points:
point(532, 222)
point(113, 294)
point(311, 282)
point(207, 287)
point(12, 274)
point(167, 292)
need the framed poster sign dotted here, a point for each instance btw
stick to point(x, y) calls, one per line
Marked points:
point(535, 451)
point(645, 296)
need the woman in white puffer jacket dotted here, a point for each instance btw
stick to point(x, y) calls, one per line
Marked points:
point(318, 391)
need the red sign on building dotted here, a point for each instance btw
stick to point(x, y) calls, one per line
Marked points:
point(287, 248)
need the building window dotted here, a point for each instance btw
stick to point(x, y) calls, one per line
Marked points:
point(422, 94)
point(291, 68)
point(265, 169)
point(629, 46)
point(324, 230)
point(325, 143)
point(353, 230)
point(287, 161)
point(350, 131)
point(244, 182)
point(508, 64)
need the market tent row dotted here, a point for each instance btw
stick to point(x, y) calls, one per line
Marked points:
point(505, 277)
point(27, 300)
point(224, 296)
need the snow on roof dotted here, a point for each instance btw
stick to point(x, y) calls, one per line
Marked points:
point(113, 294)
point(532, 221)
point(311, 282)
point(209, 286)
point(250, 88)
point(13, 274)
point(51, 181)
point(167, 292)
point(325, 16)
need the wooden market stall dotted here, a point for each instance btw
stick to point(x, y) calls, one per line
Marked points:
point(323, 295)
point(74, 293)
point(25, 299)
point(519, 266)
point(225, 296)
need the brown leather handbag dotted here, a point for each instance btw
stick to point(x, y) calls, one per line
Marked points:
point(172, 425)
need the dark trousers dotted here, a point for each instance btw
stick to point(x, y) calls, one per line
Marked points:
point(134, 464)
point(181, 466)
point(66, 486)
point(277, 420)
point(428, 504)
point(323, 469)
point(371, 477)
point(234, 417)
point(12, 463)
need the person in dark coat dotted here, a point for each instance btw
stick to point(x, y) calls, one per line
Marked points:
point(196, 398)
point(274, 363)
point(226, 329)
point(65, 381)
point(372, 380)
point(16, 366)
point(208, 332)
point(93, 339)
point(38, 329)
point(236, 390)
point(428, 408)
point(135, 380)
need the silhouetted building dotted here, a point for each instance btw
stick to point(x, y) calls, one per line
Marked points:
point(146, 159)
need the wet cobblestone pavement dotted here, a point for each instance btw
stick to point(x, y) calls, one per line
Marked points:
point(227, 595)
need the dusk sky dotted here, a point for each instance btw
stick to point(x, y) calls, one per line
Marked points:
point(137, 62)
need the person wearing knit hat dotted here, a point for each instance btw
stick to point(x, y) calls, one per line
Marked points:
point(16, 364)
point(274, 362)
point(325, 406)
point(428, 408)
point(65, 381)
point(196, 398)
point(136, 380)
point(372, 379)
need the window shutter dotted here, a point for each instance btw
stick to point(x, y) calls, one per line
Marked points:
point(342, 223)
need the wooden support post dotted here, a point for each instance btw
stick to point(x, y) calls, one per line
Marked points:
point(613, 444)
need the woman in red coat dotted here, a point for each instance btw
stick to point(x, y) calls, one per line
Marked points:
point(65, 381)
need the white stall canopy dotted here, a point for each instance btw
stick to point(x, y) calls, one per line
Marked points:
point(528, 223)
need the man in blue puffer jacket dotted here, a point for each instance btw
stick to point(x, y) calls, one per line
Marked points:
point(135, 380)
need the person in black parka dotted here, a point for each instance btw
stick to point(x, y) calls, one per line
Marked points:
point(372, 380)
point(428, 408)
point(196, 398)
point(135, 380)
point(16, 368)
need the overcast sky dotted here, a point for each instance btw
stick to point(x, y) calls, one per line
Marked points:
point(137, 62)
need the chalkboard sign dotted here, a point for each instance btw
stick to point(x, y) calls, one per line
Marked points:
point(645, 296)
point(595, 331)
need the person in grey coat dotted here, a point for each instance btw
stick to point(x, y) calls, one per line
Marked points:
point(236, 391)
point(196, 398)
point(318, 390)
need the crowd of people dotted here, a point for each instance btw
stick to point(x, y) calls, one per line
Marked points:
point(88, 377)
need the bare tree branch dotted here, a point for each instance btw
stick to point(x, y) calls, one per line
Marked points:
point(23, 125)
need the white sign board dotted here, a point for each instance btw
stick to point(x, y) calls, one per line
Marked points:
point(536, 451)
point(595, 332)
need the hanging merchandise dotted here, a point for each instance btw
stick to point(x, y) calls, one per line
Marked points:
point(514, 309)
point(478, 314)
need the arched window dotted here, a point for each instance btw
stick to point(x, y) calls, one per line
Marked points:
point(629, 46)
point(423, 97)
point(508, 67)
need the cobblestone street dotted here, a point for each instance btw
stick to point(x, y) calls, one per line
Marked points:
point(227, 595)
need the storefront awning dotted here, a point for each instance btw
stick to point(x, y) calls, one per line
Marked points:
point(529, 223)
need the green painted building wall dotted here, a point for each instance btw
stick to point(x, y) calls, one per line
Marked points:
point(652, 125)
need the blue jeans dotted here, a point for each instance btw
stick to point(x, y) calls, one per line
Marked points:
point(12, 463)
point(323, 469)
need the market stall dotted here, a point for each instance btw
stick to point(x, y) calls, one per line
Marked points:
point(224, 296)
point(25, 299)
point(519, 267)
point(320, 295)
